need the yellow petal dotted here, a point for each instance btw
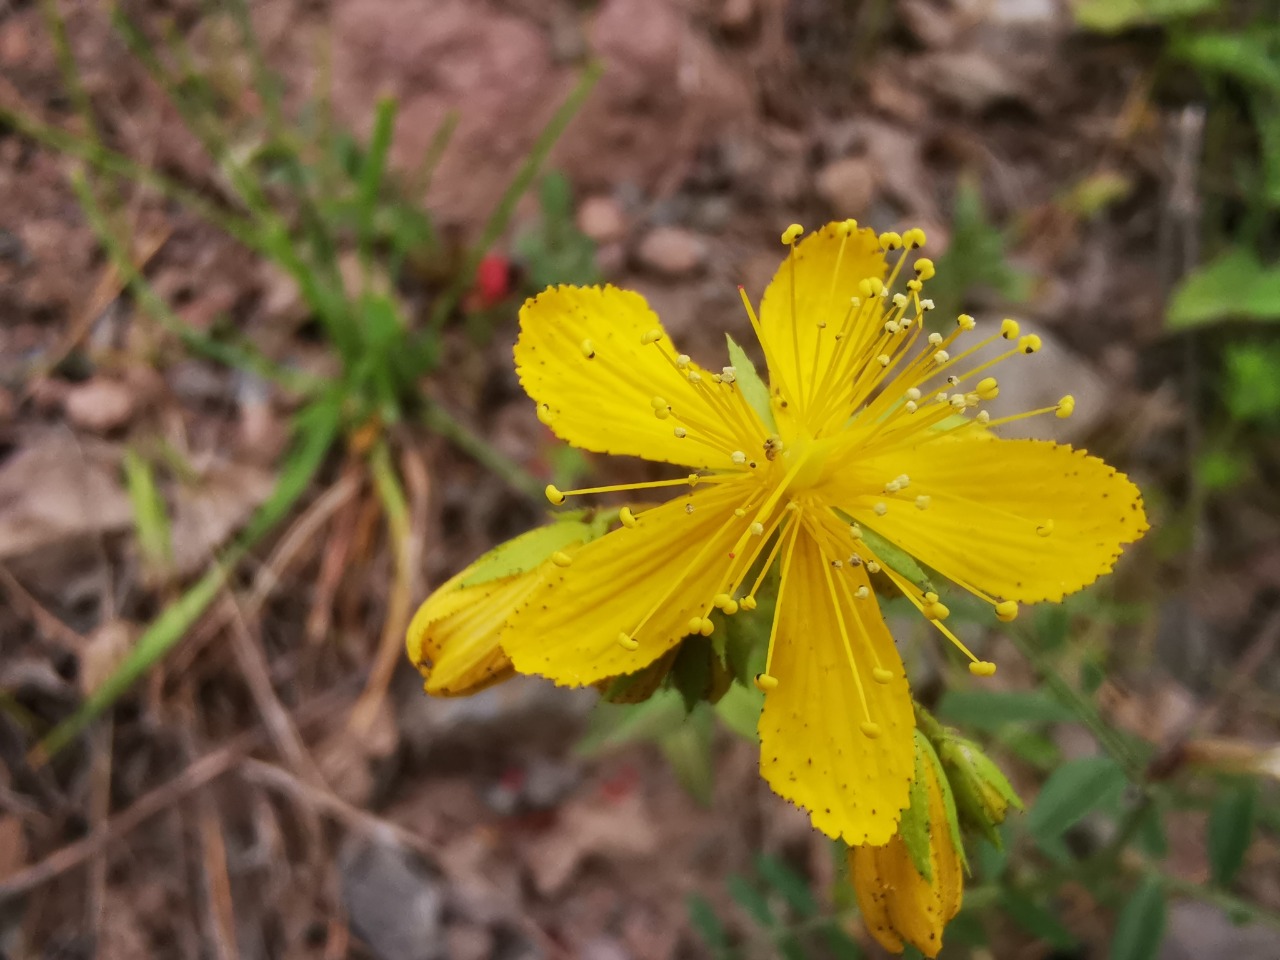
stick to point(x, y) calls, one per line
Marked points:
point(1023, 520)
point(671, 563)
point(827, 266)
point(812, 748)
point(581, 356)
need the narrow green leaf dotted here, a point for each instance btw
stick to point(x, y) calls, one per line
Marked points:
point(754, 390)
point(1114, 16)
point(915, 826)
point(751, 900)
point(705, 923)
point(375, 165)
point(1140, 926)
point(688, 750)
point(1231, 823)
point(614, 725)
point(1036, 920)
point(1244, 56)
point(1073, 791)
point(150, 516)
point(785, 881)
point(993, 709)
point(1236, 285)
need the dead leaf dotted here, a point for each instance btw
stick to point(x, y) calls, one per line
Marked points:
point(595, 825)
point(207, 513)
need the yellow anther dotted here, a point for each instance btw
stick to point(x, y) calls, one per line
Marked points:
point(884, 359)
point(935, 339)
point(966, 322)
point(792, 234)
point(657, 403)
point(1009, 329)
point(923, 501)
point(721, 600)
point(707, 627)
point(849, 226)
point(988, 388)
point(680, 433)
point(683, 361)
point(890, 240)
point(757, 529)
point(914, 238)
point(766, 682)
point(893, 486)
point(693, 479)
point(738, 457)
point(1045, 528)
point(982, 668)
point(915, 286)
point(1029, 344)
point(880, 509)
point(588, 349)
point(693, 376)
point(856, 531)
point(747, 603)
point(662, 413)
point(739, 512)
point(881, 675)
point(627, 517)
point(925, 269)
point(937, 610)
point(958, 401)
point(870, 287)
point(873, 567)
point(1066, 407)
point(627, 642)
point(553, 494)
point(561, 559)
point(983, 416)
point(652, 336)
point(890, 326)
point(911, 406)
point(1007, 611)
point(900, 301)
point(544, 414)
point(695, 625)
point(728, 374)
point(912, 394)
point(862, 592)
point(931, 597)
point(869, 729)
point(941, 357)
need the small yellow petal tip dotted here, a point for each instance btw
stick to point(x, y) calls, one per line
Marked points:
point(982, 668)
point(553, 494)
point(766, 682)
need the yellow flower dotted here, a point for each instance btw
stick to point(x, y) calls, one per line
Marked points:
point(867, 447)
point(910, 888)
point(453, 638)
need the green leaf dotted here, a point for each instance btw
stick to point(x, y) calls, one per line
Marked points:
point(1074, 790)
point(1231, 823)
point(705, 923)
point(1036, 920)
point(894, 557)
point(1236, 285)
point(691, 673)
point(981, 709)
point(688, 749)
point(150, 516)
point(526, 551)
point(614, 725)
point(1245, 56)
point(754, 390)
point(1114, 16)
point(739, 710)
point(1140, 926)
point(793, 887)
point(1253, 381)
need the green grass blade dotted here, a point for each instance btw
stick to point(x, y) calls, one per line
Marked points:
point(150, 517)
point(371, 175)
point(523, 179)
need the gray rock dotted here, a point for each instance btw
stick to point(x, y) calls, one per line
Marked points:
point(672, 252)
point(392, 903)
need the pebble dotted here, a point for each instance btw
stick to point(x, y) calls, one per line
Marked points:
point(602, 219)
point(736, 16)
point(672, 252)
point(100, 405)
point(847, 186)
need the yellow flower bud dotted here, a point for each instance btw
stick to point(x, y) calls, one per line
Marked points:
point(910, 888)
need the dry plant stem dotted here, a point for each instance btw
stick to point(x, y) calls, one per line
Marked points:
point(99, 811)
point(50, 627)
point(406, 519)
point(200, 772)
point(333, 565)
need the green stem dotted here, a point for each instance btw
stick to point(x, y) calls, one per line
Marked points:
point(515, 476)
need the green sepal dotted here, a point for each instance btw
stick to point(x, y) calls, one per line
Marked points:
point(691, 673)
point(897, 559)
point(641, 685)
point(754, 390)
point(526, 551)
point(914, 827)
point(948, 800)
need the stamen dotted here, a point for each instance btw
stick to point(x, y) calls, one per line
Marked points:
point(557, 496)
point(627, 517)
point(773, 629)
point(628, 642)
